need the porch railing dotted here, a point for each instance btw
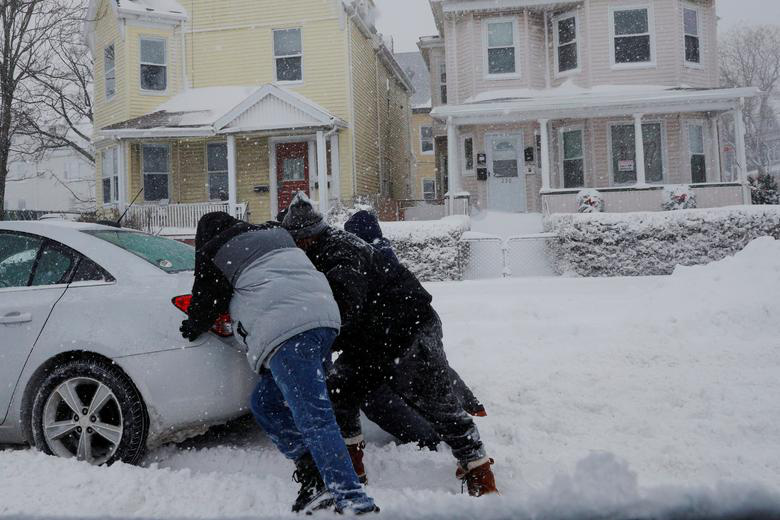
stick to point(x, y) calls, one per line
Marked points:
point(176, 219)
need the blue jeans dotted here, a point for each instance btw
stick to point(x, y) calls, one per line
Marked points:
point(291, 403)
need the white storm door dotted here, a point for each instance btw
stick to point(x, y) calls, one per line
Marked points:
point(506, 182)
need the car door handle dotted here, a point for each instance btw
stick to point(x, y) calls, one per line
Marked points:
point(15, 317)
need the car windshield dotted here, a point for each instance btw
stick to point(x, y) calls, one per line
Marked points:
point(169, 255)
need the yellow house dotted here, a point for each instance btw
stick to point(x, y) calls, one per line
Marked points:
point(204, 105)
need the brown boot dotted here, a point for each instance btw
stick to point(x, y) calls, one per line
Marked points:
point(479, 479)
point(356, 454)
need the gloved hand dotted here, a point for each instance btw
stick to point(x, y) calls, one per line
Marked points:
point(188, 331)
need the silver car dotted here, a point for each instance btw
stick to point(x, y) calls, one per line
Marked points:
point(92, 364)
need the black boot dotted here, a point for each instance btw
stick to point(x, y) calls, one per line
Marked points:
point(313, 496)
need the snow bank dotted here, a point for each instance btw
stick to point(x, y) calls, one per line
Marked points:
point(428, 248)
point(636, 244)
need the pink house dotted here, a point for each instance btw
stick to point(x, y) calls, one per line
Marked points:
point(535, 100)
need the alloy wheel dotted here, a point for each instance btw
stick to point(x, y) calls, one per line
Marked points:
point(82, 418)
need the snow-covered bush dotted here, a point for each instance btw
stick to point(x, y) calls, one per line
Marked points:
point(590, 201)
point(428, 248)
point(764, 190)
point(638, 244)
point(678, 197)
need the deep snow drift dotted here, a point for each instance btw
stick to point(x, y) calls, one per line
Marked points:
point(625, 397)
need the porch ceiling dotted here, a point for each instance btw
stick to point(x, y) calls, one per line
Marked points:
point(227, 110)
point(570, 102)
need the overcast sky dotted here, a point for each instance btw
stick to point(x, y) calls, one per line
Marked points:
point(407, 20)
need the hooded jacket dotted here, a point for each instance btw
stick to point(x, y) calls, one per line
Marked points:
point(382, 304)
point(366, 226)
point(272, 291)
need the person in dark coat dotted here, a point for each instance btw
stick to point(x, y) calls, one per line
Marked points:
point(287, 319)
point(390, 334)
point(383, 406)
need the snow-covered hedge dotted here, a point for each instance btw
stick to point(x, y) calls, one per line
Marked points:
point(428, 248)
point(637, 244)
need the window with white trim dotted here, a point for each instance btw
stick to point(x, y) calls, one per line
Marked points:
point(426, 140)
point(501, 48)
point(572, 158)
point(429, 189)
point(623, 147)
point(156, 163)
point(443, 83)
point(109, 167)
point(632, 37)
point(288, 55)
point(692, 36)
point(217, 166)
point(566, 44)
point(109, 71)
point(154, 64)
point(467, 143)
point(697, 153)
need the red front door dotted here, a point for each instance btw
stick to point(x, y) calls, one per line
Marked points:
point(292, 171)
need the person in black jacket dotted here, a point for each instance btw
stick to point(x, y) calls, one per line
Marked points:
point(383, 406)
point(390, 334)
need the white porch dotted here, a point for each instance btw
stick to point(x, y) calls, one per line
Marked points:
point(533, 122)
point(248, 131)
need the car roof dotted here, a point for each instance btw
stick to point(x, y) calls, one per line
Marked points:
point(117, 261)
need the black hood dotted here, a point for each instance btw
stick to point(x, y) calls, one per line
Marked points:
point(212, 225)
point(365, 225)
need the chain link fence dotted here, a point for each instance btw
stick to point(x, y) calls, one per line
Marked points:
point(483, 258)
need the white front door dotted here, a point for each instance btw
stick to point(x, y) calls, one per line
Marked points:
point(506, 182)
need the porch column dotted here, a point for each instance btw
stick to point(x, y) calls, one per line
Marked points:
point(453, 175)
point(639, 155)
point(739, 131)
point(717, 168)
point(335, 165)
point(122, 174)
point(322, 171)
point(232, 175)
point(544, 137)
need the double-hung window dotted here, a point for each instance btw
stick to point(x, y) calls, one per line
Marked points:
point(217, 164)
point(110, 175)
point(692, 36)
point(154, 65)
point(501, 48)
point(426, 140)
point(573, 158)
point(443, 83)
point(288, 55)
point(623, 147)
point(156, 169)
point(429, 189)
point(632, 36)
point(109, 71)
point(566, 55)
point(697, 153)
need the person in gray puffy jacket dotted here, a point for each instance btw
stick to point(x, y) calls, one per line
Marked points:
point(286, 318)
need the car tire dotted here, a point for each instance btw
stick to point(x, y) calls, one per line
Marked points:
point(112, 424)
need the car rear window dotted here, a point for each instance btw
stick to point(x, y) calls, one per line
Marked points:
point(169, 255)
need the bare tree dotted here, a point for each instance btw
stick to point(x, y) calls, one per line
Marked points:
point(28, 36)
point(750, 57)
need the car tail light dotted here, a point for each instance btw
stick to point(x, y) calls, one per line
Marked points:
point(222, 327)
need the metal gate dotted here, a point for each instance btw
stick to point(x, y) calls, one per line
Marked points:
point(516, 257)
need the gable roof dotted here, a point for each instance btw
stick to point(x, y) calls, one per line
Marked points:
point(414, 66)
point(224, 110)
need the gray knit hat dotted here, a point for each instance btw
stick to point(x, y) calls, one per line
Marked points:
point(302, 220)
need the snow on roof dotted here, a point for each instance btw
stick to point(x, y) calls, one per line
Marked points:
point(165, 8)
point(413, 64)
point(204, 106)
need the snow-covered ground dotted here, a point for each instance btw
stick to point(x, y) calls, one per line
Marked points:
point(609, 398)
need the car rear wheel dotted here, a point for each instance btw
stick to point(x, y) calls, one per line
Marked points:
point(88, 409)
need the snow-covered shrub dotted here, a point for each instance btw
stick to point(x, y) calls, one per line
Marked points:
point(590, 201)
point(339, 213)
point(678, 197)
point(764, 190)
point(428, 248)
point(638, 244)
